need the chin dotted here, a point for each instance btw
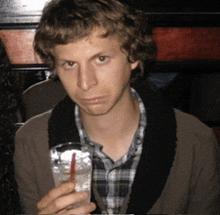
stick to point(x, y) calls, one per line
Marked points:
point(96, 111)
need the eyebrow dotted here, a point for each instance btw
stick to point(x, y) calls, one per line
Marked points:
point(91, 58)
point(97, 55)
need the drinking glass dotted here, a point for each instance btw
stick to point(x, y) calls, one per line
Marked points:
point(72, 161)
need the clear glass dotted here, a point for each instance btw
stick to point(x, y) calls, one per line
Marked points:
point(61, 161)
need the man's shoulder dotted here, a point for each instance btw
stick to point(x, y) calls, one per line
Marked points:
point(188, 123)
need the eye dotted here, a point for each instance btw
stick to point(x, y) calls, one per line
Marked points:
point(69, 64)
point(102, 59)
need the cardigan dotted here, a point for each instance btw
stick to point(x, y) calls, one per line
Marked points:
point(178, 171)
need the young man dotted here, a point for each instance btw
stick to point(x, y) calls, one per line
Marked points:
point(147, 157)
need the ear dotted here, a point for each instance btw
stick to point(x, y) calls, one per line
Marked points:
point(134, 65)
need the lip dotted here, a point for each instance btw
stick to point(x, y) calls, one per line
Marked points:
point(95, 100)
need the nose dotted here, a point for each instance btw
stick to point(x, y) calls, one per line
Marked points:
point(86, 77)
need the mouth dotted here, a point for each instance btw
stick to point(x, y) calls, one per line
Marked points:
point(95, 100)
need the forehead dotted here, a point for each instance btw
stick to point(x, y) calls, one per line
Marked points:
point(97, 41)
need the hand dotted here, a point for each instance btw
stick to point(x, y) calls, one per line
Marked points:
point(60, 199)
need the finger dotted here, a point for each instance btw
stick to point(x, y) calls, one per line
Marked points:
point(59, 191)
point(85, 209)
point(63, 202)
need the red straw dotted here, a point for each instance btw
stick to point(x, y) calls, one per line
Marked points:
point(73, 164)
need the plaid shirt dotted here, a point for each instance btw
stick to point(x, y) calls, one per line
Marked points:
point(114, 179)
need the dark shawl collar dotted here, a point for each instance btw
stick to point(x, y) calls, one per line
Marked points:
point(158, 148)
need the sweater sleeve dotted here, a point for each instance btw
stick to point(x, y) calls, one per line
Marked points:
point(32, 164)
point(25, 174)
point(205, 181)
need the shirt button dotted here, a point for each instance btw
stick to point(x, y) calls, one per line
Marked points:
point(111, 175)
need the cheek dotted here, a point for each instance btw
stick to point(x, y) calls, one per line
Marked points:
point(116, 72)
point(122, 74)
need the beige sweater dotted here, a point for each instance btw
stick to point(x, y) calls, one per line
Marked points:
point(194, 180)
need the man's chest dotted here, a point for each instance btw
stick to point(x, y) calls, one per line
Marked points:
point(117, 149)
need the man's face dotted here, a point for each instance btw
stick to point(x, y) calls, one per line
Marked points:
point(95, 73)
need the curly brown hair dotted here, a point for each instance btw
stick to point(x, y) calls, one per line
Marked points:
point(64, 21)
